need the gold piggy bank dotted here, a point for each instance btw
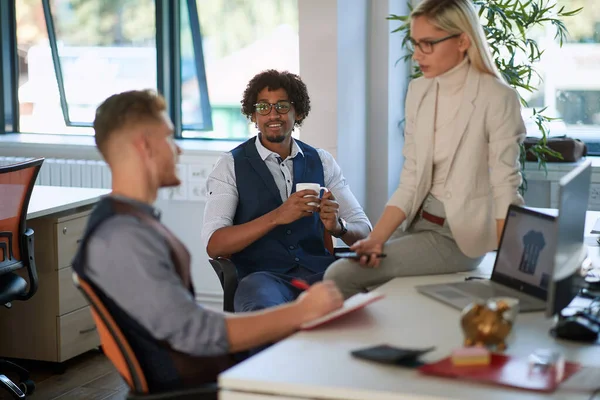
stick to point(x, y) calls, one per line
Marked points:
point(487, 324)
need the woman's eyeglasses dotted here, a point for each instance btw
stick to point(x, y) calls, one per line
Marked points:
point(282, 107)
point(426, 46)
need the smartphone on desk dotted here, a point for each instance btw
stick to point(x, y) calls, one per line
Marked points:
point(387, 354)
point(354, 255)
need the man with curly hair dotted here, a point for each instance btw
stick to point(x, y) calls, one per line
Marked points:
point(254, 215)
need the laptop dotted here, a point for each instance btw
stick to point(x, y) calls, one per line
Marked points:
point(523, 268)
point(536, 250)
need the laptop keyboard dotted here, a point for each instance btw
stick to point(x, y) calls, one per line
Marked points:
point(483, 291)
point(486, 290)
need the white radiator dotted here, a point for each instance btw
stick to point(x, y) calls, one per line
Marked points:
point(67, 172)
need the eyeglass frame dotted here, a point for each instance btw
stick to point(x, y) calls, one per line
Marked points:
point(432, 43)
point(271, 105)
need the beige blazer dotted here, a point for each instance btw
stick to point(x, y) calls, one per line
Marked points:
point(483, 177)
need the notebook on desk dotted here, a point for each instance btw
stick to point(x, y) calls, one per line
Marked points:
point(354, 303)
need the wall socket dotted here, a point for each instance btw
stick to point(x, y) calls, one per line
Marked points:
point(197, 191)
point(199, 172)
point(193, 183)
point(179, 193)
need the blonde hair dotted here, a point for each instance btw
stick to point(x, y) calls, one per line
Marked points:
point(460, 16)
point(120, 110)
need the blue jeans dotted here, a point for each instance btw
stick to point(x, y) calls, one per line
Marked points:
point(261, 290)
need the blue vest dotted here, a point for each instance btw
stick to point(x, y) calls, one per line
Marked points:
point(300, 243)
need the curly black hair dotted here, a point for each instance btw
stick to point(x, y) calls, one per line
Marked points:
point(273, 79)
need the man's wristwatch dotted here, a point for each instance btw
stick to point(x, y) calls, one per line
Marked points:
point(344, 226)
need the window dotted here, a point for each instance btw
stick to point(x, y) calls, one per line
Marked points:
point(241, 38)
point(570, 88)
point(75, 53)
point(195, 104)
point(72, 54)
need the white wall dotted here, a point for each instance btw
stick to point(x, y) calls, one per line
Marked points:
point(348, 62)
point(333, 64)
point(352, 104)
point(388, 80)
point(318, 69)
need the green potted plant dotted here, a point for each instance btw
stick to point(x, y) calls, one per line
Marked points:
point(508, 25)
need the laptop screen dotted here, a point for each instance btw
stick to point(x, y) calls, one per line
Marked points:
point(525, 259)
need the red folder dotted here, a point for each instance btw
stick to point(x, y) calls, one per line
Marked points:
point(506, 371)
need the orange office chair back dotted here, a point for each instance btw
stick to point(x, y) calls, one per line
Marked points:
point(16, 185)
point(113, 341)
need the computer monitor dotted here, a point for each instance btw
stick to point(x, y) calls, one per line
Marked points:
point(573, 195)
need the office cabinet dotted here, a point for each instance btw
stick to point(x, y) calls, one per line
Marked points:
point(56, 323)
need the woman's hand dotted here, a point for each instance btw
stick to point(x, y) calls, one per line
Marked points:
point(368, 248)
point(371, 246)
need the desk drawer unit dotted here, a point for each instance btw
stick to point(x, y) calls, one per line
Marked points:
point(69, 297)
point(56, 323)
point(77, 333)
point(68, 235)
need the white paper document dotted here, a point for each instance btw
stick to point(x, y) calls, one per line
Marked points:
point(354, 303)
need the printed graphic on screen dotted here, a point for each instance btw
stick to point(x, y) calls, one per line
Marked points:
point(528, 249)
point(533, 243)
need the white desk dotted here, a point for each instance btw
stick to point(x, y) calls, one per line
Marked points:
point(318, 365)
point(46, 200)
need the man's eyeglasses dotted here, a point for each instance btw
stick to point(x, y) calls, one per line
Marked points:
point(282, 107)
point(426, 46)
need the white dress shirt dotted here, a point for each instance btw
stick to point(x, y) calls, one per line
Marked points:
point(222, 194)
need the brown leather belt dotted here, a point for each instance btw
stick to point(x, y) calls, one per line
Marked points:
point(432, 218)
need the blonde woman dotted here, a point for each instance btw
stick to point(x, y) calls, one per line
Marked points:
point(461, 151)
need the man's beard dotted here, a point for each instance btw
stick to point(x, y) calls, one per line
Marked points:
point(275, 139)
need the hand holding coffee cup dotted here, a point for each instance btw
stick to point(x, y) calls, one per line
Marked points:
point(298, 205)
point(311, 186)
point(329, 214)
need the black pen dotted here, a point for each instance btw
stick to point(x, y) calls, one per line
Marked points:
point(379, 255)
point(472, 278)
point(355, 256)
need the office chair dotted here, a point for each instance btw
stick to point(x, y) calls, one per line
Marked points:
point(16, 252)
point(119, 352)
point(228, 276)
